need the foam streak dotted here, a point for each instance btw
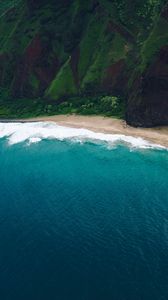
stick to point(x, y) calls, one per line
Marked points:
point(36, 131)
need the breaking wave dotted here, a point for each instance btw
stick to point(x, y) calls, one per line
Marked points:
point(34, 132)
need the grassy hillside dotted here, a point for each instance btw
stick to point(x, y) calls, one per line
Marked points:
point(58, 52)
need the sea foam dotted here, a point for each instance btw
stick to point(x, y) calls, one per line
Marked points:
point(34, 132)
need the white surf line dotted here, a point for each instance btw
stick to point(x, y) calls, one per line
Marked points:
point(34, 132)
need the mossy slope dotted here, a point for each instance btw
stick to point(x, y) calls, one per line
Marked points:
point(60, 49)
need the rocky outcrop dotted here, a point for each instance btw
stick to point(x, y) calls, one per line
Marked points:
point(148, 97)
point(148, 104)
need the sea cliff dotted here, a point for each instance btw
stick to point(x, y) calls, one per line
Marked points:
point(57, 51)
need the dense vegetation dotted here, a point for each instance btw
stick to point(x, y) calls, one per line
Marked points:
point(90, 57)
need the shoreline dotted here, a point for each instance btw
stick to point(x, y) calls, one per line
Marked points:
point(109, 125)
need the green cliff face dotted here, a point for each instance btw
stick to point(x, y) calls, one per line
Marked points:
point(148, 96)
point(57, 50)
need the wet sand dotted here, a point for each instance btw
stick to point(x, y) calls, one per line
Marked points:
point(157, 135)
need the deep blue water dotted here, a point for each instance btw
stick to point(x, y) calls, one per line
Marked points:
point(81, 222)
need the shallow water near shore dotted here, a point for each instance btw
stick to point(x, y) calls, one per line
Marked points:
point(84, 221)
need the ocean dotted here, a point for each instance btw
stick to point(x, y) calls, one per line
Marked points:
point(83, 215)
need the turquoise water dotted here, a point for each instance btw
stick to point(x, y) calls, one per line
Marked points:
point(83, 222)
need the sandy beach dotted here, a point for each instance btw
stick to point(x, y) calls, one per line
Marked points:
point(157, 135)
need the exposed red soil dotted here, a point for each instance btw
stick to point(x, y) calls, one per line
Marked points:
point(121, 30)
point(148, 102)
point(160, 67)
point(35, 61)
point(114, 75)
